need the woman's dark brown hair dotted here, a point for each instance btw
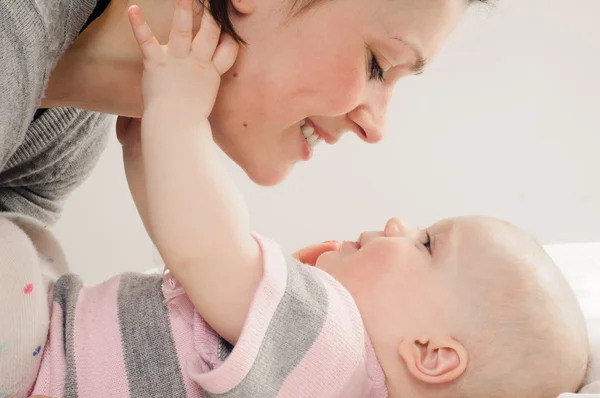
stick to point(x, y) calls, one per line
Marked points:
point(220, 11)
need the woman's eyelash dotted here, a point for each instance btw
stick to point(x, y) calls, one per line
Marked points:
point(375, 70)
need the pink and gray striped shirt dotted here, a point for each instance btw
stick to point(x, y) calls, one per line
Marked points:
point(139, 336)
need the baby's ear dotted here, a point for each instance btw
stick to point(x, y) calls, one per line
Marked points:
point(434, 360)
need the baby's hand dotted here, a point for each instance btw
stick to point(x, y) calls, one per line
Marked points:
point(310, 254)
point(185, 74)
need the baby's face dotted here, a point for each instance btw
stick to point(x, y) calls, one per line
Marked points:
point(401, 273)
point(412, 284)
point(431, 301)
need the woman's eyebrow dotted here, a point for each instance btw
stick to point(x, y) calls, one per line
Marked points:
point(419, 65)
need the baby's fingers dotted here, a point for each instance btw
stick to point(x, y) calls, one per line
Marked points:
point(226, 54)
point(207, 38)
point(180, 39)
point(149, 46)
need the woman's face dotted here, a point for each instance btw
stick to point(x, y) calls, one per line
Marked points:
point(316, 68)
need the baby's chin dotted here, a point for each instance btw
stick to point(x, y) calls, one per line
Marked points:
point(329, 262)
point(322, 262)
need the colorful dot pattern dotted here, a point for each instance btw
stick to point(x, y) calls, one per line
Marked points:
point(36, 352)
point(28, 288)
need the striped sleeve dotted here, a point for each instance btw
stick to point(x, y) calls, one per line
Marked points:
point(303, 337)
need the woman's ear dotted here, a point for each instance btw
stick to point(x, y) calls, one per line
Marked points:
point(434, 360)
point(244, 7)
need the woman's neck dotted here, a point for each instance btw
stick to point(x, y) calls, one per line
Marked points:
point(102, 70)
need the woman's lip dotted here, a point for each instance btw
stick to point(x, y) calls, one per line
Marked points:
point(307, 151)
point(323, 134)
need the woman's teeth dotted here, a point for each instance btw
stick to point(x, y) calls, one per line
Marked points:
point(309, 133)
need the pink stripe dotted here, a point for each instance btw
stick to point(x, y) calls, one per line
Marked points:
point(184, 344)
point(335, 364)
point(98, 348)
point(51, 377)
point(269, 293)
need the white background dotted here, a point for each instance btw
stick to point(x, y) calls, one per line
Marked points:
point(506, 123)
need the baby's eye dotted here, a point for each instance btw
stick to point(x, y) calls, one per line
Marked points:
point(427, 242)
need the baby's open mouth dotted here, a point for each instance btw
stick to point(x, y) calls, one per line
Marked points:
point(350, 246)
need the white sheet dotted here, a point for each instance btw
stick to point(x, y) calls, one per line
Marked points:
point(580, 262)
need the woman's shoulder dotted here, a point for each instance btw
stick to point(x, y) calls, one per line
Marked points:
point(25, 59)
point(46, 27)
point(33, 36)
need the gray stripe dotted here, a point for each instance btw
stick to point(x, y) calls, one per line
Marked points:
point(148, 346)
point(295, 326)
point(66, 293)
point(224, 349)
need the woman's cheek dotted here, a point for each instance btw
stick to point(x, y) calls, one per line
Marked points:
point(344, 88)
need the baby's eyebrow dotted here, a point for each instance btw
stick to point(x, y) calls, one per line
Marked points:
point(419, 65)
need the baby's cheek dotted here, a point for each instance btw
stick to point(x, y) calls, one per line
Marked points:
point(389, 255)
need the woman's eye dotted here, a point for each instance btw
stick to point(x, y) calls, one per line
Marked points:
point(375, 70)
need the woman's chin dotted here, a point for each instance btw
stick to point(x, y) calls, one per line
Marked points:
point(268, 175)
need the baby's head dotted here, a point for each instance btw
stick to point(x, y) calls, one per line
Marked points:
point(470, 306)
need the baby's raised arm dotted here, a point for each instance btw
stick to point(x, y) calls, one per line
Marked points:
point(197, 216)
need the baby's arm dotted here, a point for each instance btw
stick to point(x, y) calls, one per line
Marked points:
point(197, 217)
point(129, 135)
point(200, 224)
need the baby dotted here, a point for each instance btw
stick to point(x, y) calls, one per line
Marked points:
point(469, 307)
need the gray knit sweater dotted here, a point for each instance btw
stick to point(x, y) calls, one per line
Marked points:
point(42, 157)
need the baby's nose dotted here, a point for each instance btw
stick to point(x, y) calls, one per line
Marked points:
point(397, 227)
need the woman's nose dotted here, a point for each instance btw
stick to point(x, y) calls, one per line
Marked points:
point(370, 115)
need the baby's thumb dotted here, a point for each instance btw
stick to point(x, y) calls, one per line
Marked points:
point(310, 254)
point(225, 54)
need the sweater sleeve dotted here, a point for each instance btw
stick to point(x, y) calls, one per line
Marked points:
point(41, 160)
point(47, 167)
point(23, 63)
